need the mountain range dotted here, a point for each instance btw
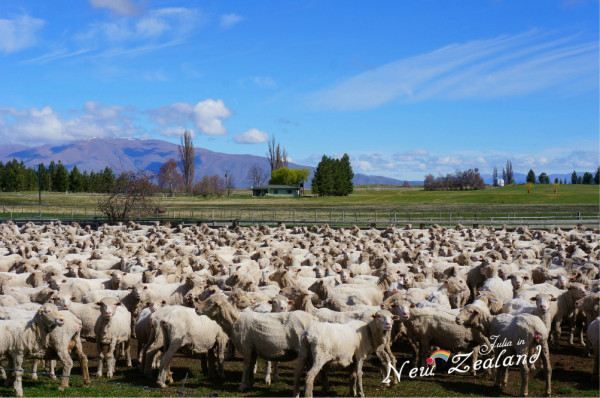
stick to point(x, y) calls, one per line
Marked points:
point(123, 154)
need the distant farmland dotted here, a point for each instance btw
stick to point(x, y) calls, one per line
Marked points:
point(367, 205)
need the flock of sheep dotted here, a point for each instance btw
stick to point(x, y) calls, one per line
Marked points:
point(319, 296)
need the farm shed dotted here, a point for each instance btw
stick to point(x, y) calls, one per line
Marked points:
point(278, 190)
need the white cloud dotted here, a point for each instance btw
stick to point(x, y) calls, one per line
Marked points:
point(365, 165)
point(252, 136)
point(45, 125)
point(121, 7)
point(229, 20)
point(163, 23)
point(18, 33)
point(176, 131)
point(507, 65)
point(415, 164)
point(207, 115)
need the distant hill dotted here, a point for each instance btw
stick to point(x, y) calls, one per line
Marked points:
point(148, 155)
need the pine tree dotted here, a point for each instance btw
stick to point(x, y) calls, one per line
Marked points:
point(61, 178)
point(597, 176)
point(574, 177)
point(531, 177)
point(75, 180)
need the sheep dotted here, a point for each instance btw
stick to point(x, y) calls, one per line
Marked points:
point(344, 344)
point(142, 328)
point(429, 326)
point(273, 336)
point(21, 338)
point(111, 329)
point(182, 327)
point(523, 331)
point(61, 341)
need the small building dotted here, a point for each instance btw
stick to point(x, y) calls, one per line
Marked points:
point(291, 191)
point(500, 182)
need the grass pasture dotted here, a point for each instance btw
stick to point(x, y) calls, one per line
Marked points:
point(366, 206)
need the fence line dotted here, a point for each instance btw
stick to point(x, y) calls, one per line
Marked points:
point(334, 215)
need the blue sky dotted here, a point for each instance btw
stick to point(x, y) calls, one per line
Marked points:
point(404, 87)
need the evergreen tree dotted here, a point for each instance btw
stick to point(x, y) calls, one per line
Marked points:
point(544, 179)
point(597, 176)
point(574, 177)
point(531, 177)
point(333, 177)
point(345, 176)
point(60, 181)
point(75, 180)
point(587, 178)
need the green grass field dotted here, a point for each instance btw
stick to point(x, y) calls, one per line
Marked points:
point(367, 205)
point(362, 196)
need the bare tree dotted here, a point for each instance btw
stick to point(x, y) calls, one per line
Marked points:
point(276, 155)
point(229, 183)
point(131, 196)
point(209, 186)
point(272, 153)
point(168, 177)
point(256, 176)
point(187, 157)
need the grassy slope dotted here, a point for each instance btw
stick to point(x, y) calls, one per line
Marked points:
point(372, 197)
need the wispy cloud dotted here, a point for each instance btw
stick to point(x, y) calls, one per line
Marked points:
point(19, 33)
point(130, 34)
point(45, 125)
point(507, 65)
point(56, 55)
point(252, 136)
point(121, 7)
point(229, 20)
point(414, 164)
point(264, 82)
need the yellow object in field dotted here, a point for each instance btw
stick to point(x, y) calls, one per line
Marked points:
point(529, 186)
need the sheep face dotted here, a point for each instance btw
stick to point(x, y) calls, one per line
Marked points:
point(49, 316)
point(469, 316)
point(543, 301)
point(108, 307)
point(401, 309)
point(384, 320)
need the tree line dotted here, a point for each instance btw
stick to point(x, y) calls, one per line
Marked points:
point(460, 180)
point(16, 176)
point(587, 178)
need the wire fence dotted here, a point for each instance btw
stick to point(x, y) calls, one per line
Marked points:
point(361, 216)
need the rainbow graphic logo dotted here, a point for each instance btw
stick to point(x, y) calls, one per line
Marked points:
point(442, 354)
